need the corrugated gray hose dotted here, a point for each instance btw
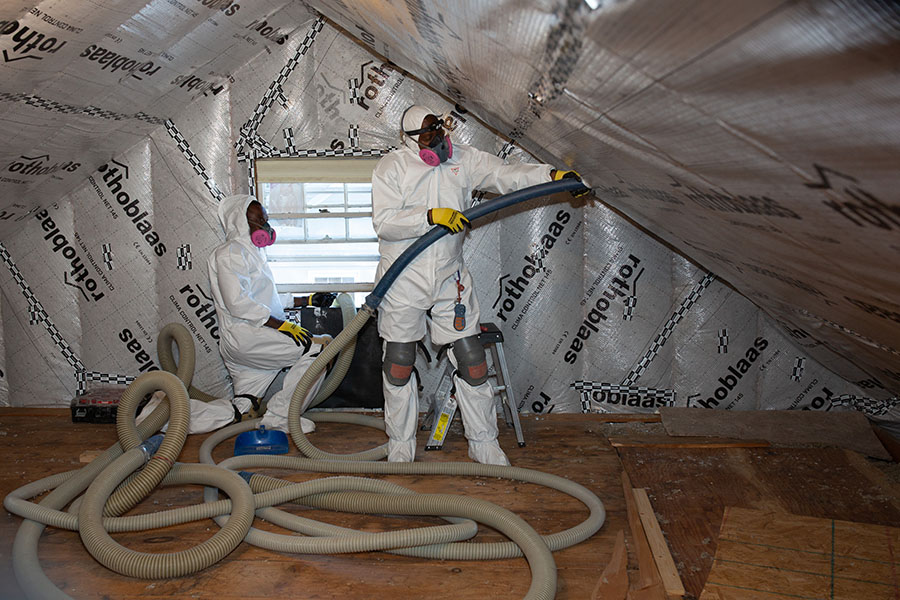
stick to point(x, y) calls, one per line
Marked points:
point(367, 496)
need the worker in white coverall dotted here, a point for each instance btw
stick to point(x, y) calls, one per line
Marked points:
point(255, 340)
point(429, 182)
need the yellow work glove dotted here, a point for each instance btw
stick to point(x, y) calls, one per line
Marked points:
point(300, 336)
point(452, 219)
point(558, 174)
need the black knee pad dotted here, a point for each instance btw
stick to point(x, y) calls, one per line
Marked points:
point(470, 360)
point(399, 358)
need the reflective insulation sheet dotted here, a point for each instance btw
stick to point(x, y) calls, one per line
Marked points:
point(741, 251)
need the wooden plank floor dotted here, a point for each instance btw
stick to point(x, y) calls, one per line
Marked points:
point(689, 489)
point(36, 446)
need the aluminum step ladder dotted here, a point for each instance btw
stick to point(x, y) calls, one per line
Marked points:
point(443, 402)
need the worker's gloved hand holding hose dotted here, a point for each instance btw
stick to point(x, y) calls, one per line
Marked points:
point(557, 175)
point(450, 218)
point(562, 184)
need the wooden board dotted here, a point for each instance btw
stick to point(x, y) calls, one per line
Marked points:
point(613, 582)
point(765, 554)
point(661, 555)
point(565, 445)
point(628, 418)
point(648, 573)
point(691, 488)
point(665, 441)
point(844, 429)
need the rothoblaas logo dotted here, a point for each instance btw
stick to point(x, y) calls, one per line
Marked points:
point(735, 373)
point(77, 277)
point(113, 61)
point(512, 288)
point(137, 350)
point(616, 289)
point(27, 42)
point(112, 177)
point(203, 307)
point(39, 165)
point(228, 7)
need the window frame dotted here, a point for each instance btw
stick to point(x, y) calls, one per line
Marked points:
point(319, 170)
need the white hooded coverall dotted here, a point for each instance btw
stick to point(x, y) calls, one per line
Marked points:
point(403, 189)
point(243, 290)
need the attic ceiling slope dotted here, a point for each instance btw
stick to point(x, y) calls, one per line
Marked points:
point(760, 139)
point(83, 82)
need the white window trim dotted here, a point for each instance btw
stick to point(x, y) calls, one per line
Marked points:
point(314, 170)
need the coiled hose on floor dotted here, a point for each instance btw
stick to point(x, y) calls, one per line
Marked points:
point(249, 492)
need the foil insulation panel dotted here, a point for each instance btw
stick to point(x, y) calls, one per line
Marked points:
point(741, 252)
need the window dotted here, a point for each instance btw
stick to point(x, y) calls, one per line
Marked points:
point(322, 211)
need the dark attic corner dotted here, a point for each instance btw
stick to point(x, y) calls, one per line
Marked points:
point(573, 299)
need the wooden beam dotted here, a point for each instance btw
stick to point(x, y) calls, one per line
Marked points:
point(613, 584)
point(628, 418)
point(662, 557)
point(664, 441)
point(648, 575)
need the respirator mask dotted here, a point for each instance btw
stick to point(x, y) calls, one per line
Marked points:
point(265, 236)
point(439, 148)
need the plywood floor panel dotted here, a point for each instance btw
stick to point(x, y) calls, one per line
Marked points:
point(785, 555)
point(564, 446)
point(690, 488)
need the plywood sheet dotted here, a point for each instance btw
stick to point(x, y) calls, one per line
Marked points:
point(844, 429)
point(772, 554)
point(566, 445)
point(690, 488)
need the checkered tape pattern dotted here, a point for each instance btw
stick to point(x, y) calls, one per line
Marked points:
point(630, 303)
point(36, 312)
point(353, 84)
point(723, 341)
point(289, 146)
point(262, 147)
point(251, 170)
point(797, 369)
point(199, 169)
point(71, 109)
point(183, 257)
point(82, 377)
point(374, 153)
point(275, 91)
point(864, 404)
point(668, 328)
point(587, 388)
point(539, 254)
point(106, 251)
point(251, 146)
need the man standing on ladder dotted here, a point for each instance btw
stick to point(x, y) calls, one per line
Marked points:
point(429, 182)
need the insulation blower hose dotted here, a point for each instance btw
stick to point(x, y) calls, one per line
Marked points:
point(129, 470)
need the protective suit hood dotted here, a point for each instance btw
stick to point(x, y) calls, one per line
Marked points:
point(233, 217)
point(412, 120)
